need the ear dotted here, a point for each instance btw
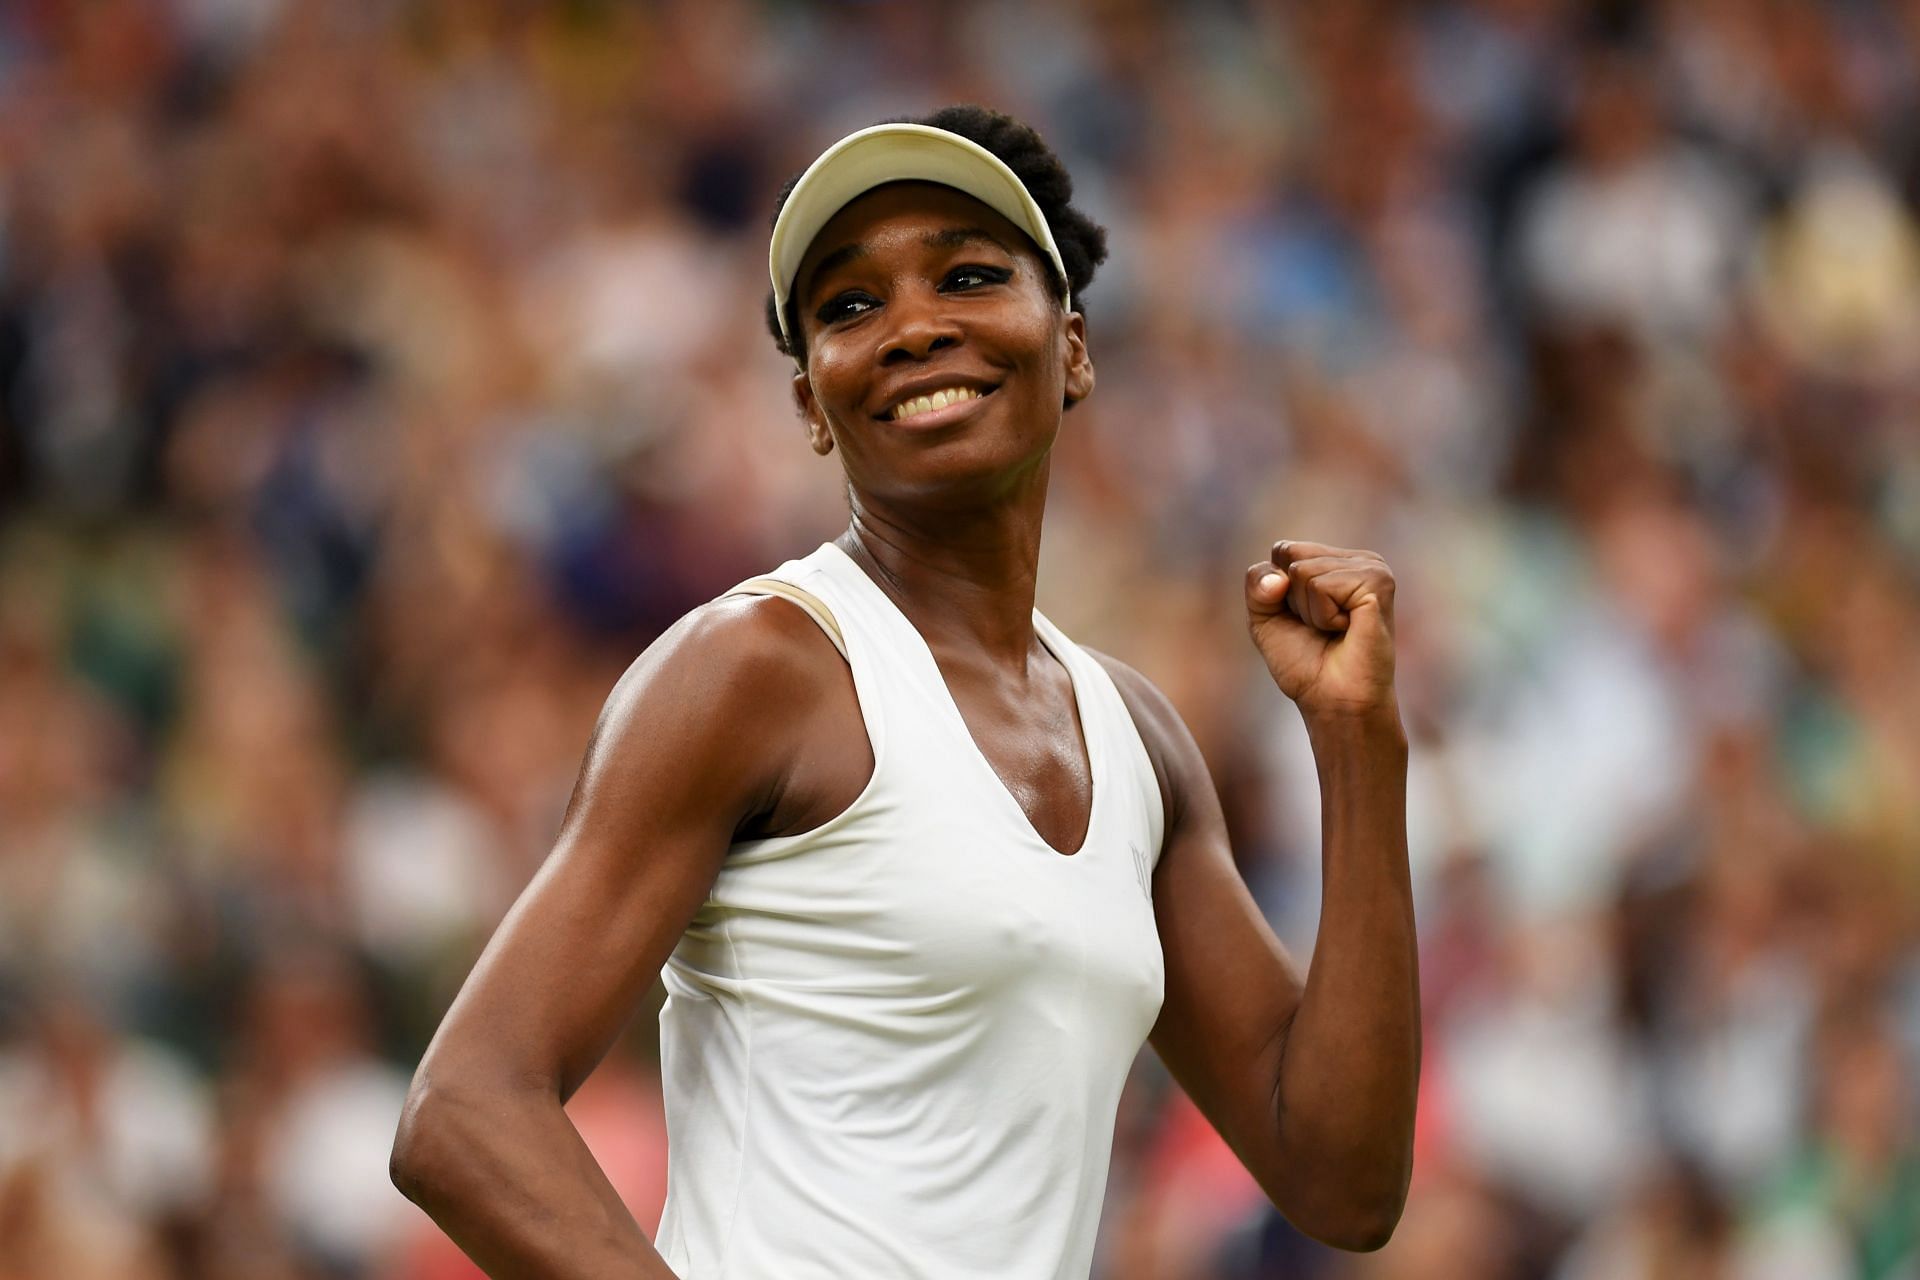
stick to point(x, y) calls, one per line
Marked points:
point(818, 436)
point(1079, 363)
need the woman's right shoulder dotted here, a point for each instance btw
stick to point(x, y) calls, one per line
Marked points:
point(730, 714)
point(751, 657)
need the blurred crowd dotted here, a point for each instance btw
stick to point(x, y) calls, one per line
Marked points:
point(377, 379)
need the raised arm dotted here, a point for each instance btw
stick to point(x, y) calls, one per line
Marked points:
point(697, 738)
point(1312, 1083)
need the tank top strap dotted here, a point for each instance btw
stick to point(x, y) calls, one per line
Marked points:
point(1131, 768)
point(813, 605)
point(1089, 677)
point(899, 693)
point(836, 594)
point(811, 583)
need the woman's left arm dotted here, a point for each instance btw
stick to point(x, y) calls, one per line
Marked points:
point(1312, 1083)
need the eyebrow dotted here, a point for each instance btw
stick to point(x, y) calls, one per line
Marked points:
point(959, 237)
point(947, 238)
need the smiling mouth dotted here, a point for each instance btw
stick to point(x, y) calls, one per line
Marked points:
point(907, 410)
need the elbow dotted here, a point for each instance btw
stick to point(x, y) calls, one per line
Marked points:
point(428, 1143)
point(413, 1144)
point(1357, 1212)
point(1368, 1228)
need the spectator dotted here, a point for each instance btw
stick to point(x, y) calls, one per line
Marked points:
point(373, 388)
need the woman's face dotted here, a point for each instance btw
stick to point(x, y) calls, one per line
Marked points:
point(914, 289)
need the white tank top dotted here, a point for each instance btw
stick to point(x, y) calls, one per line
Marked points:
point(893, 1045)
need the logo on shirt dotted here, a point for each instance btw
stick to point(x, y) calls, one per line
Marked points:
point(1142, 868)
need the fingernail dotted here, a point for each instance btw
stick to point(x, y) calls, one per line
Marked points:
point(1271, 582)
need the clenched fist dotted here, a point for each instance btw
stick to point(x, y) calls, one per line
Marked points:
point(1323, 619)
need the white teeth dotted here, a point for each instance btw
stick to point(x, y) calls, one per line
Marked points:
point(938, 400)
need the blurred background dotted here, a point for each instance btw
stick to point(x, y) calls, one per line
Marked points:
point(378, 379)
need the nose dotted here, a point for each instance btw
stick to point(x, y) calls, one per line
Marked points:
point(921, 326)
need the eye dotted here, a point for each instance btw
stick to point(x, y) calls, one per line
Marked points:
point(843, 306)
point(973, 275)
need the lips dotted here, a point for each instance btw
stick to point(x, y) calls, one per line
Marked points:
point(926, 412)
point(933, 395)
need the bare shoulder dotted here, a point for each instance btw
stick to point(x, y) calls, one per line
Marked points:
point(752, 653)
point(720, 706)
point(743, 709)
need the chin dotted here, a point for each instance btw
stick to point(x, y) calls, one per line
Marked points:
point(961, 471)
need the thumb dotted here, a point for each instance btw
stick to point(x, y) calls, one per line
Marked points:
point(1266, 590)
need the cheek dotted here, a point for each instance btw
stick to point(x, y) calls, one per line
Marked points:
point(836, 386)
point(1046, 354)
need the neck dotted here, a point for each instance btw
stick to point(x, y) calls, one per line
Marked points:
point(964, 577)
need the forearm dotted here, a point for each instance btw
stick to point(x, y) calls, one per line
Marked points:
point(510, 1180)
point(1349, 1070)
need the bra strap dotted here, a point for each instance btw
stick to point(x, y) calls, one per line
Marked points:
point(815, 607)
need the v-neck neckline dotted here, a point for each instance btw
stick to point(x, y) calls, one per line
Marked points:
point(1046, 634)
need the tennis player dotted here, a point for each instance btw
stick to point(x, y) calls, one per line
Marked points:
point(923, 874)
